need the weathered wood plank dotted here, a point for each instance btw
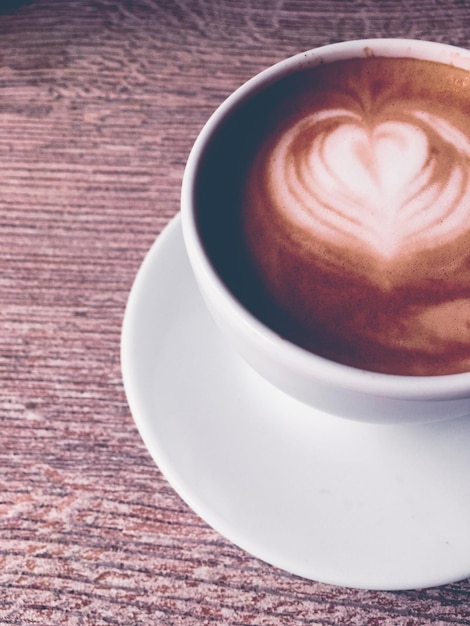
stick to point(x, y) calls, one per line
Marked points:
point(100, 102)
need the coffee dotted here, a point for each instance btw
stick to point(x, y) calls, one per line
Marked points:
point(340, 214)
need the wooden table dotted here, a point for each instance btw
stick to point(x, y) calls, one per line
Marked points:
point(100, 102)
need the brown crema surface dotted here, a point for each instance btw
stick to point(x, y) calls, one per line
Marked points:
point(355, 213)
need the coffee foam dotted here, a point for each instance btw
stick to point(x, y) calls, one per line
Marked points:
point(356, 214)
point(388, 186)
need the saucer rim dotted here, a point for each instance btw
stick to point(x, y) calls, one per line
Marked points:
point(166, 464)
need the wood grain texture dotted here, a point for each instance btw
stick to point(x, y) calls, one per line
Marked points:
point(100, 102)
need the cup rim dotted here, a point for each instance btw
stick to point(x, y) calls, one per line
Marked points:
point(297, 358)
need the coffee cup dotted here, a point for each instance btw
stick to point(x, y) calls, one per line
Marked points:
point(326, 216)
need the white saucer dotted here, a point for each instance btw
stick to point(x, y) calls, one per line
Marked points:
point(359, 505)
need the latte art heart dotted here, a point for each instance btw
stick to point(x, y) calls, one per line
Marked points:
point(355, 214)
point(388, 184)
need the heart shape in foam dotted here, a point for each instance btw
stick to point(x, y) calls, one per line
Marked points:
point(375, 169)
point(377, 185)
point(392, 186)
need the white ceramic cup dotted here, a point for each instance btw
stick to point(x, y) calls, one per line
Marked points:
point(325, 385)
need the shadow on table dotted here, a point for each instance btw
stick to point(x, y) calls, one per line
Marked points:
point(10, 6)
